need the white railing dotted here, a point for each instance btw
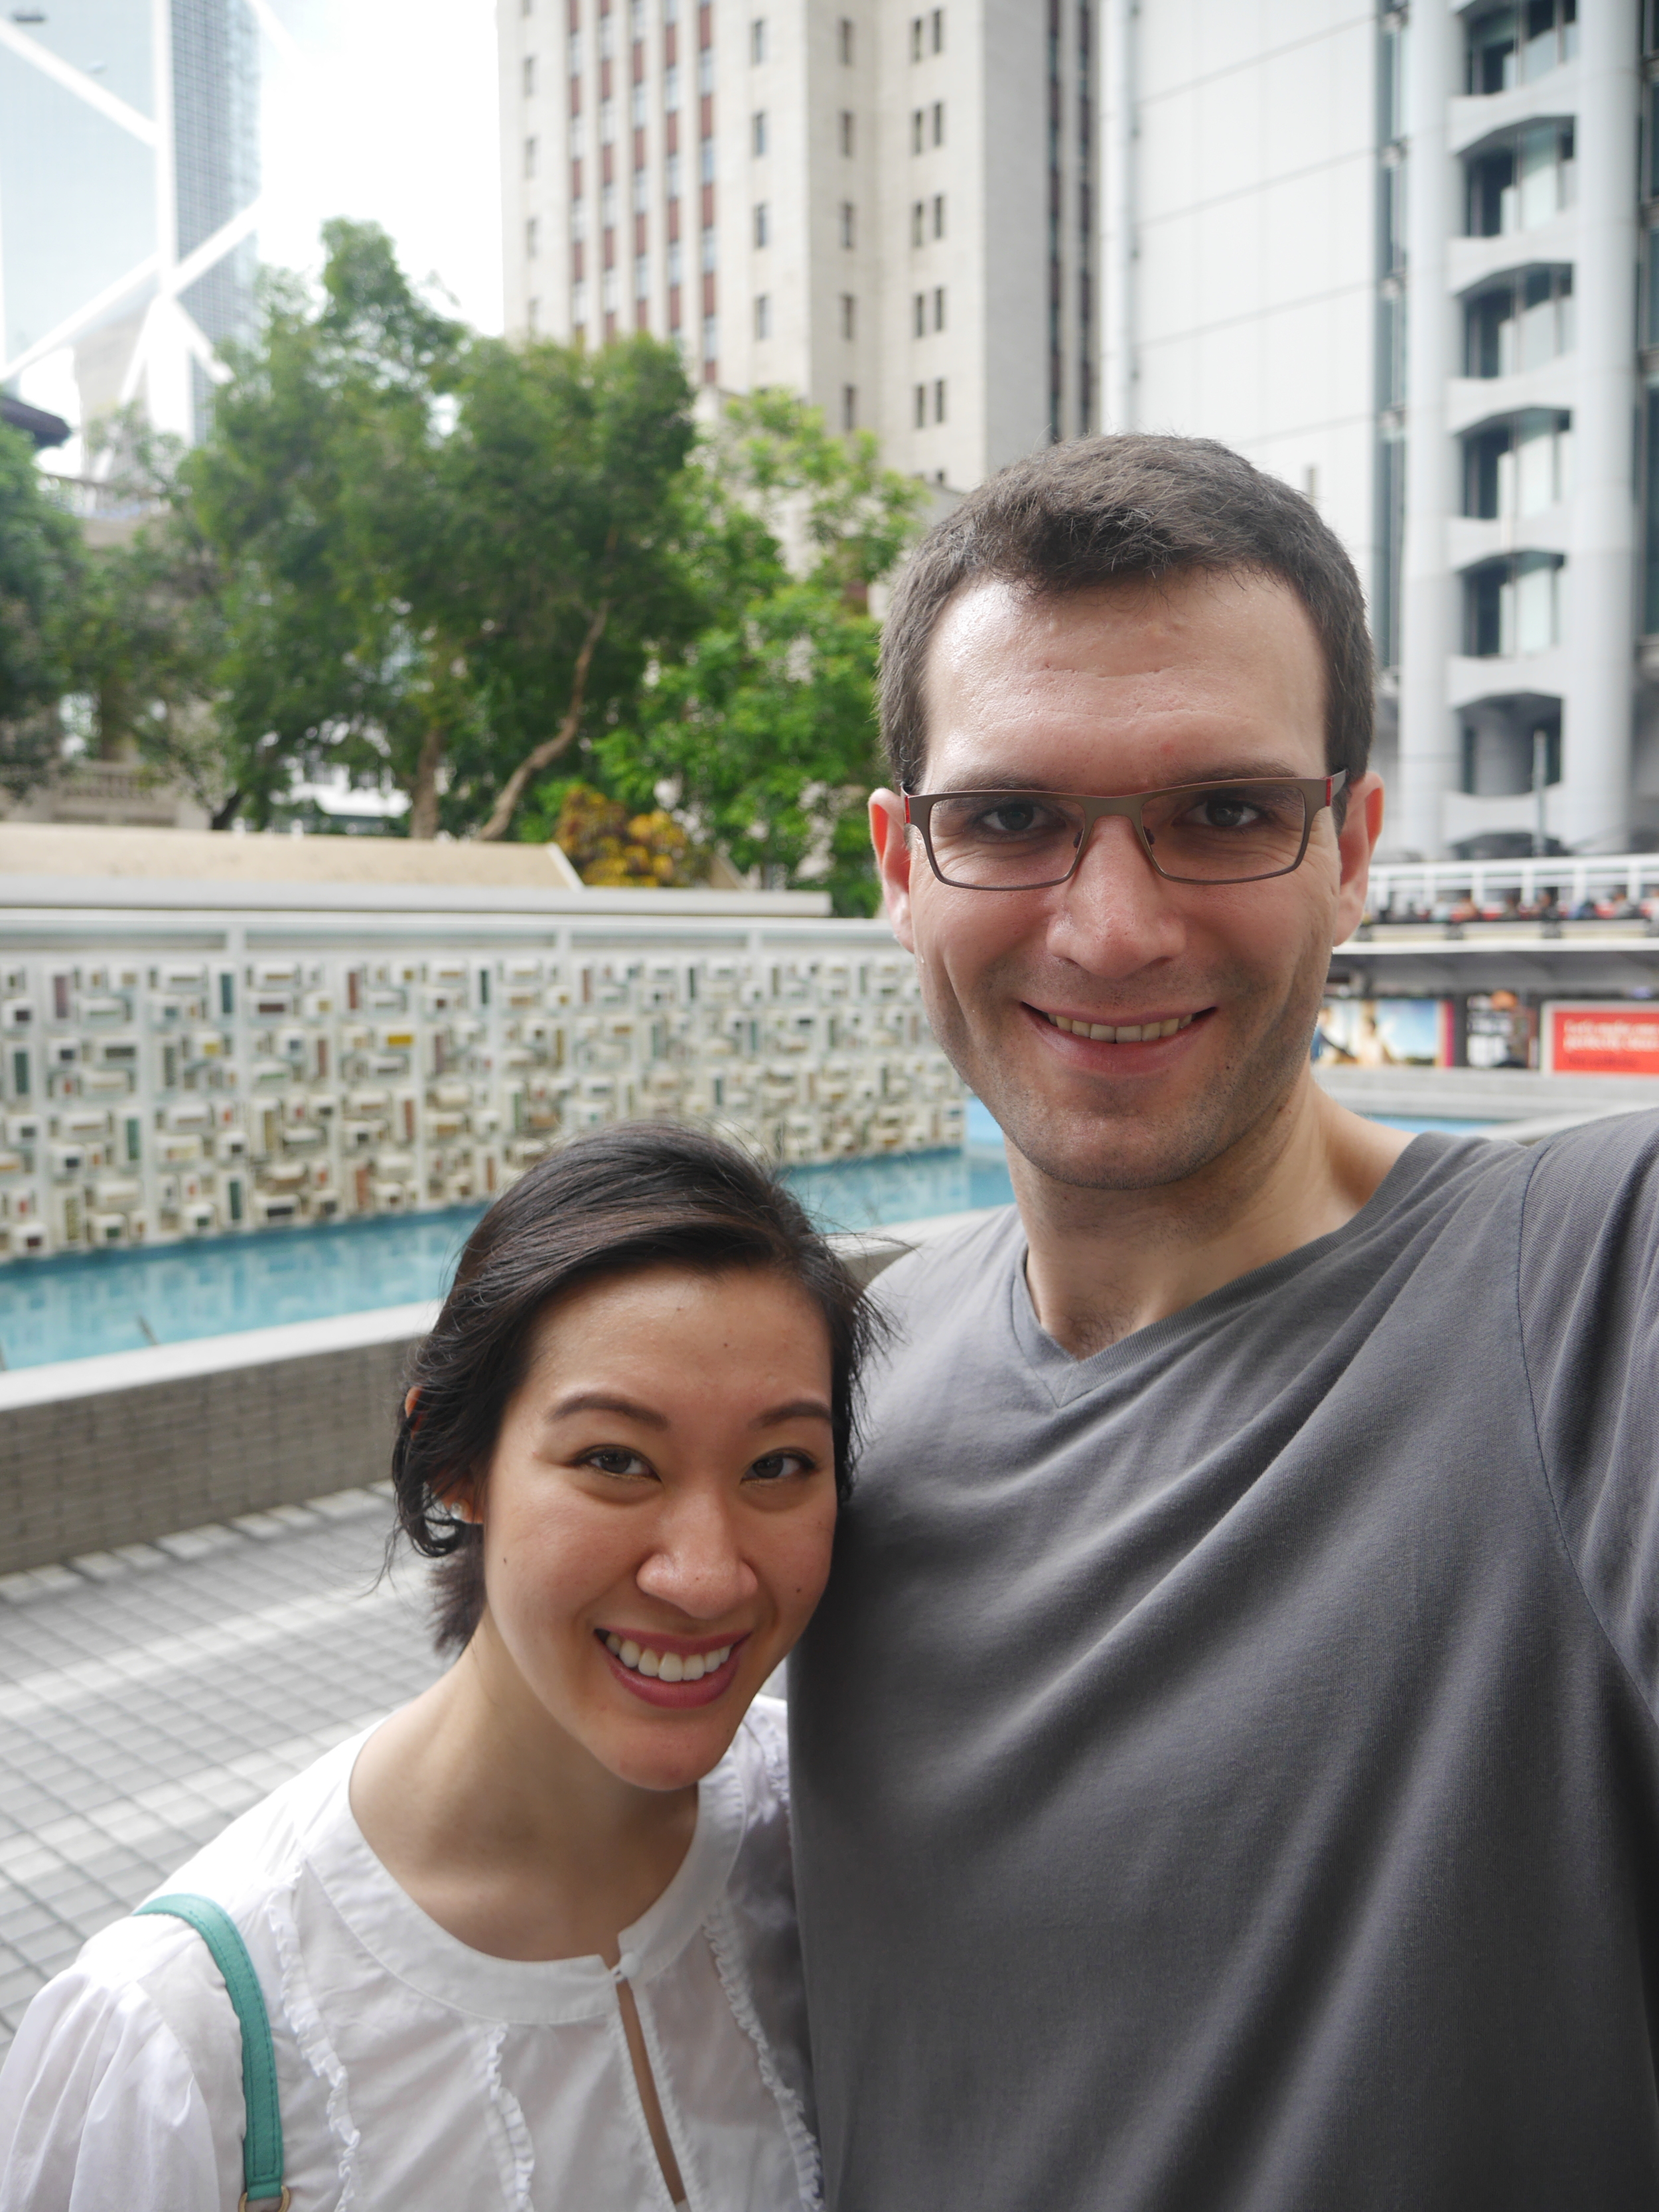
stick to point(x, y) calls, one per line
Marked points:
point(1432, 887)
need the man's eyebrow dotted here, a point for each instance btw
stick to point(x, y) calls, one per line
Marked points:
point(607, 1401)
point(1254, 772)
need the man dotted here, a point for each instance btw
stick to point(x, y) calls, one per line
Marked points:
point(1225, 1763)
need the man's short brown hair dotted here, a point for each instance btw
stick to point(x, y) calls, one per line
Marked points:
point(1119, 509)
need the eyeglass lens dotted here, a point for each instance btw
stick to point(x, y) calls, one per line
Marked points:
point(1019, 840)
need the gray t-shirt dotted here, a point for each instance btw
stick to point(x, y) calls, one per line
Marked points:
point(1226, 1768)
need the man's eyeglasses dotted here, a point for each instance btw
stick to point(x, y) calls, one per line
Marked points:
point(1197, 833)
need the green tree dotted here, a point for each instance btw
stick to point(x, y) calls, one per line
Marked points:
point(40, 561)
point(765, 729)
point(446, 557)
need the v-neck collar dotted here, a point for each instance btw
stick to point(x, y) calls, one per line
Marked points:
point(528, 1992)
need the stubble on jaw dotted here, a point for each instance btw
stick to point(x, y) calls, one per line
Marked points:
point(1119, 1145)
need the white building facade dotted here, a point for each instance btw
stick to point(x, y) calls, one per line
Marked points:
point(890, 208)
point(129, 199)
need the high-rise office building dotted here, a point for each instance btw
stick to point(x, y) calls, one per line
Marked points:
point(888, 207)
point(1403, 258)
point(128, 187)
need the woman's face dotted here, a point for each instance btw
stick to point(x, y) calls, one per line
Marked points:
point(658, 1514)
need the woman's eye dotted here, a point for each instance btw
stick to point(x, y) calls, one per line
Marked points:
point(612, 1459)
point(780, 1467)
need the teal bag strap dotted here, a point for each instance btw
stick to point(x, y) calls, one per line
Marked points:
point(262, 2140)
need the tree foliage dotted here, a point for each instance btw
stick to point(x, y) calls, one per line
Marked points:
point(39, 568)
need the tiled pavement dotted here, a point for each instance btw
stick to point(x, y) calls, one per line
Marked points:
point(148, 1698)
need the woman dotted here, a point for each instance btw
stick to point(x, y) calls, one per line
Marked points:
point(530, 1941)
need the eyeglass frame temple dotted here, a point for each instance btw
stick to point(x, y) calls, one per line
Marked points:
point(1128, 807)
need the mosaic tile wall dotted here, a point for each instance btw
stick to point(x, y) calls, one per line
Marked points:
point(154, 1096)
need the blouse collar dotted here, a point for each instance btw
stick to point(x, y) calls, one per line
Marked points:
point(527, 1992)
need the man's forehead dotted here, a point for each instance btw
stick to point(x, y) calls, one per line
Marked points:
point(1148, 662)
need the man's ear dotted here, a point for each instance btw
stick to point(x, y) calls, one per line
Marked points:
point(890, 836)
point(1356, 842)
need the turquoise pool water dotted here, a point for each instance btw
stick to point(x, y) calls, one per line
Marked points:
point(80, 1304)
point(83, 1304)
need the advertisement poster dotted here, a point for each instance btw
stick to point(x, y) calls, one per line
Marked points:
point(1614, 1037)
point(1382, 1033)
point(1500, 1030)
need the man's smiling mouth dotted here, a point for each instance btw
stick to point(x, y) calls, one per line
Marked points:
point(1121, 1032)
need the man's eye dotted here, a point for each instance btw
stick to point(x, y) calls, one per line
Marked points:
point(612, 1459)
point(780, 1467)
point(1226, 813)
point(1015, 817)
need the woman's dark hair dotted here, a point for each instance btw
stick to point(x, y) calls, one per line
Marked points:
point(636, 1195)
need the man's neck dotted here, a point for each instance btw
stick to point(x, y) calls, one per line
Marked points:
point(1103, 1263)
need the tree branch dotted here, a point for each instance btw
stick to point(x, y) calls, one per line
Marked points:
point(534, 762)
point(423, 799)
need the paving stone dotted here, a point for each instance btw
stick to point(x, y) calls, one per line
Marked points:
point(35, 1582)
point(196, 1543)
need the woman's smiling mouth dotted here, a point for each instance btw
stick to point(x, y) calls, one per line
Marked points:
point(665, 1676)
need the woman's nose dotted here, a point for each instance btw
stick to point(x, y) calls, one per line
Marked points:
point(697, 1564)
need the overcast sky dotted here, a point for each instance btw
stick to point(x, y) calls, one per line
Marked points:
point(385, 109)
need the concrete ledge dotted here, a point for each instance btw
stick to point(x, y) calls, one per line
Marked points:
point(95, 1454)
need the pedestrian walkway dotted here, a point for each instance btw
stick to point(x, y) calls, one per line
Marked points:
point(148, 1696)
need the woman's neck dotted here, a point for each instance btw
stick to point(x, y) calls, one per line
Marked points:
point(506, 1832)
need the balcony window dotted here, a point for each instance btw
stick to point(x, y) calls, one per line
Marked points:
point(671, 89)
point(1525, 177)
point(1513, 606)
point(1509, 47)
point(845, 131)
point(706, 70)
point(1522, 467)
point(641, 276)
point(1501, 745)
point(763, 315)
point(758, 132)
point(1521, 321)
point(710, 256)
point(762, 224)
point(758, 40)
point(848, 225)
point(607, 38)
point(919, 315)
point(849, 310)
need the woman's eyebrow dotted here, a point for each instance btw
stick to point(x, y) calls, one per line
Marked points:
point(606, 1402)
point(796, 1409)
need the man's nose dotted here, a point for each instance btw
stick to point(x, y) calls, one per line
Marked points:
point(697, 1563)
point(1117, 914)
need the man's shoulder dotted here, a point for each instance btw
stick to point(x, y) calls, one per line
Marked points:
point(952, 1265)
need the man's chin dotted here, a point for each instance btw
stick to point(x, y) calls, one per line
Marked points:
point(1128, 1151)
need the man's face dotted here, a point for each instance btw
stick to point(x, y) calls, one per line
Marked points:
point(1126, 688)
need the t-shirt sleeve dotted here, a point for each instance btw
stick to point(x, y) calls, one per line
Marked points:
point(101, 2105)
point(1588, 1276)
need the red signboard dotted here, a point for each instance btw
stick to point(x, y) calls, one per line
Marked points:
point(1603, 1040)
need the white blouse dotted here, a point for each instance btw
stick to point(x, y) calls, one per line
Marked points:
point(413, 2071)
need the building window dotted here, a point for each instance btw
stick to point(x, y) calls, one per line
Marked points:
point(671, 89)
point(706, 70)
point(849, 310)
point(757, 131)
point(758, 40)
point(637, 107)
point(609, 292)
point(636, 18)
point(938, 123)
point(607, 35)
point(939, 306)
point(1513, 606)
point(936, 21)
point(849, 407)
point(762, 224)
point(530, 237)
point(709, 256)
point(1521, 321)
point(918, 129)
point(920, 399)
point(530, 157)
point(706, 161)
point(1513, 46)
point(670, 172)
point(711, 344)
point(919, 223)
point(844, 41)
point(1522, 467)
point(579, 304)
point(939, 399)
point(848, 225)
point(674, 261)
point(575, 54)
point(607, 122)
point(847, 132)
point(607, 205)
point(939, 215)
point(919, 315)
point(530, 76)
point(916, 38)
point(532, 316)
point(641, 276)
point(763, 315)
point(1524, 178)
point(579, 219)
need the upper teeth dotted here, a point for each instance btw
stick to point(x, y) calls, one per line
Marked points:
point(1124, 1032)
point(666, 1666)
